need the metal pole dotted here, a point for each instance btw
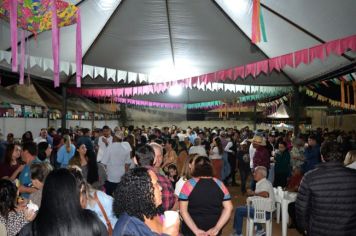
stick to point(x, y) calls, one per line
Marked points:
point(296, 97)
point(64, 108)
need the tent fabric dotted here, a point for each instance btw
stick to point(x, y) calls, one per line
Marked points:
point(7, 96)
point(176, 39)
point(282, 112)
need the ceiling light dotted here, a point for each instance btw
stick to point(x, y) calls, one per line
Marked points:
point(175, 90)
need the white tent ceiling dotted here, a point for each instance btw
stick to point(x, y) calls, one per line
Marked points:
point(182, 38)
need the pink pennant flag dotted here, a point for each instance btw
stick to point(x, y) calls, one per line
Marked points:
point(274, 64)
point(348, 43)
point(301, 56)
point(262, 66)
point(229, 74)
point(250, 69)
point(203, 79)
point(210, 77)
point(316, 52)
point(240, 72)
point(13, 33)
point(195, 80)
point(220, 75)
point(287, 60)
point(333, 47)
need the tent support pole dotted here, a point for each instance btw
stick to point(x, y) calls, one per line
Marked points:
point(255, 117)
point(296, 105)
point(64, 107)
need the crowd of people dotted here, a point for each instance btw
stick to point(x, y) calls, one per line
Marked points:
point(122, 181)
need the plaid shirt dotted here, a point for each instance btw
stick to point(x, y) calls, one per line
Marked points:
point(168, 198)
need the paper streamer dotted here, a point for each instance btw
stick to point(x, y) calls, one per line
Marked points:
point(55, 44)
point(13, 29)
point(78, 49)
point(22, 61)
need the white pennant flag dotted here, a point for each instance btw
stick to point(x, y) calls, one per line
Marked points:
point(121, 75)
point(99, 71)
point(47, 64)
point(5, 55)
point(111, 74)
point(142, 78)
point(65, 67)
point(131, 77)
point(34, 61)
point(88, 71)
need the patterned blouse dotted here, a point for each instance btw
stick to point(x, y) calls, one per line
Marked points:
point(14, 222)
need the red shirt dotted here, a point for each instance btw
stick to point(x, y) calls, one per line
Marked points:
point(7, 170)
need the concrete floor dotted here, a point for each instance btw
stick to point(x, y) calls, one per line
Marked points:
point(238, 200)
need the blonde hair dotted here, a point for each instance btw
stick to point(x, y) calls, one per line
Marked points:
point(350, 158)
point(67, 142)
point(186, 172)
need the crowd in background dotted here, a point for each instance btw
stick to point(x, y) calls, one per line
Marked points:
point(121, 181)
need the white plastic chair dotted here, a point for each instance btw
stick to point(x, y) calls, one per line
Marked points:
point(278, 195)
point(2, 229)
point(261, 206)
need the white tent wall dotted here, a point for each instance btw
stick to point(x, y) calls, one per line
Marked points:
point(85, 123)
point(18, 126)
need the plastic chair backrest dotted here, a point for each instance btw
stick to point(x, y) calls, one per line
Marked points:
point(280, 193)
point(261, 206)
point(2, 229)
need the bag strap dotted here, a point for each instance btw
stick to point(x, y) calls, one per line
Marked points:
point(108, 223)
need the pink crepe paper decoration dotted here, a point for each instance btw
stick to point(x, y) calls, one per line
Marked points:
point(13, 29)
point(22, 61)
point(287, 60)
point(261, 66)
point(250, 69)
point(240, 72)
point(301, 56)
point(78, 49)
point(316, 52)
point(55, 43)
point(348, 43)
point(229, 74)
point(203, 78)
point(333, 47)
point(211, 77)
point(220, 75)
point(274, 64)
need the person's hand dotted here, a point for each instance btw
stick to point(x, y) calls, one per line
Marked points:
point(213, 231)
point(30, 214)
point(250, 192)
point(172, 230)
point(200, 232)
point(20, 168)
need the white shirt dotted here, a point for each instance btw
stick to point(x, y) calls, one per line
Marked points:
point(102, 147)
point(251, 151)
point(179, 186)
point(115, 159)
point(215, 154)
point(265, 186)
point(200, 150)
point(352, 165)
point(39, 139)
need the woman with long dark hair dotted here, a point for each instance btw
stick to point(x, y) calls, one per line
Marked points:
point(215, 155)
point(204, 201)
point(61, 213)
point(136, 203)
point(12, 216)
point(182, 156)
point(93, 172)
point(11, 168)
